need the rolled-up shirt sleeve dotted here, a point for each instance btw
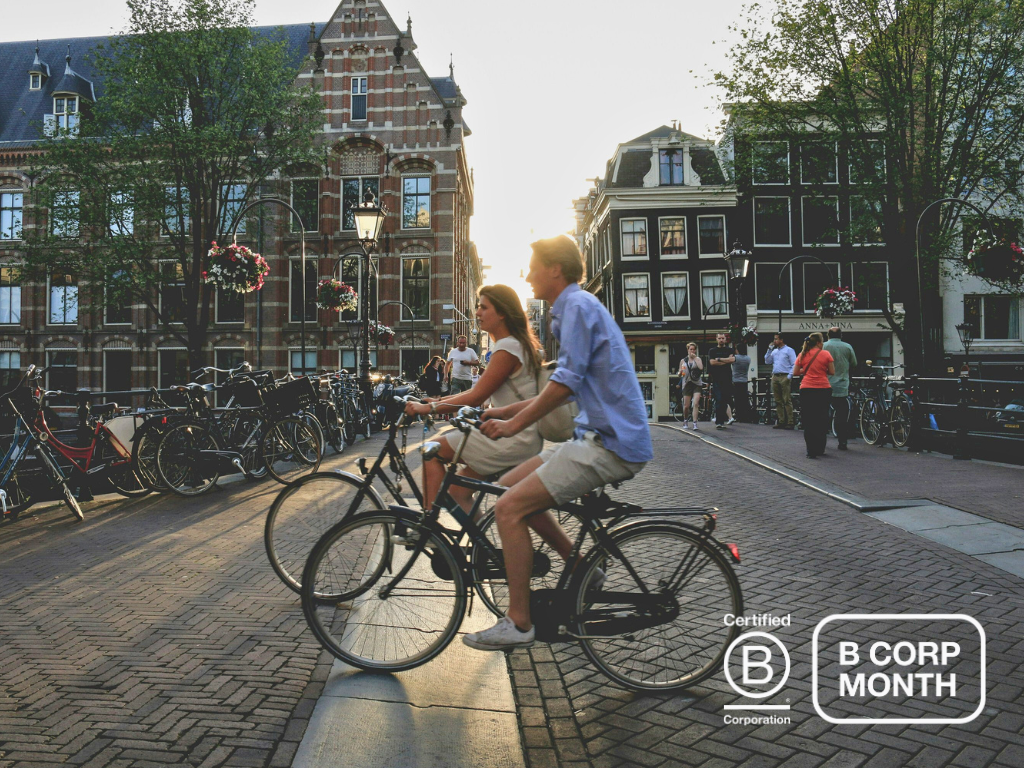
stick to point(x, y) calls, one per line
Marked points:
point(574, 351)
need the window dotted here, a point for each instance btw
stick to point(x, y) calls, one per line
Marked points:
point(412, 362)
point(634, 238)
point(64, 214)
point(867, 163)
point(353, 190)
point(306, 200)
point(232, 201)
point(416, 202)
point(230, 307)
point(358, 98)
point(295, 362)
point(416, 286)
point(772, 221)
point(711, 235)
point(714, 294)
point(350, 359)
point(10, 369)
point(63, 298)
point(817, 278)
point(643, 358)
point(871, 284)
point(296, 291)
point(120, 214)
point(636, 297)
point(62, 373)
point(173, 367)
point(671, 165)
point(65, 112)
point(10, 215)
point(117, 307)
point(820, 220)
point(770, 162)
point(35, 81)
point(10, 296)
point(176, 211)
point(819, 163)
point(994, 316)
point(675, 302)
point(766, 280)
point(117, 370)
point(673, 236)
point(172, 293)
point(865, 221)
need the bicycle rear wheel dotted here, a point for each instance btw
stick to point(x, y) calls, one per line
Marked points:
point(698, 585)
point(383, 621)
point(901, 421)
point(180, 462)
point(872, 421)
point(303, 512)
point(120, 471)
point(291, 449)
point(146, 441)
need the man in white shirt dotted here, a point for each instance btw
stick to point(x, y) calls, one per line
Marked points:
point(459, 371)
point(782, 358)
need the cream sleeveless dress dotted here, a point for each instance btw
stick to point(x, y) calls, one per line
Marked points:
point(488, 457)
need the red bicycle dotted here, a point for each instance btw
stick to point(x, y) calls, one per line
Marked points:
point(109, 453)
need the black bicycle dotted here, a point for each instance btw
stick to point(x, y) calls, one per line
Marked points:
point(386, 590)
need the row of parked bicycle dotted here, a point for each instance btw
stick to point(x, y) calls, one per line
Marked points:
point(267, 427)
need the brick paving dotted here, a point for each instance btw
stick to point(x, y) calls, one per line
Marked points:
point(808, 556)
point(154, 633)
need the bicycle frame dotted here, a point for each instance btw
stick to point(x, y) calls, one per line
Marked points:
point(82, 458)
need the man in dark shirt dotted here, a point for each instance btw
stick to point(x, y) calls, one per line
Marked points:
point(721, 359)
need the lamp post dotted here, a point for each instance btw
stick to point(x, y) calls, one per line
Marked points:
point(965, 331)
point(738, 262)
point(369, 219)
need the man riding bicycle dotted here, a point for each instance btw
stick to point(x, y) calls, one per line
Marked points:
point(612, 441)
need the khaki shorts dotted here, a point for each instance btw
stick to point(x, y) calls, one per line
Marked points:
point(581, 465)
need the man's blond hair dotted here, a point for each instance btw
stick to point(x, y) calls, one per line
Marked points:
point(563, 252)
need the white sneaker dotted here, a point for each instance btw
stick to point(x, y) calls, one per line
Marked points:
point(730, 421)
point(695, 428)
point(598, 579)
point(502, 636)
point(686, 425)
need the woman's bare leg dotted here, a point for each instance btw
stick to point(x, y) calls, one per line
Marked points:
point(696, 406)
point(433, 473)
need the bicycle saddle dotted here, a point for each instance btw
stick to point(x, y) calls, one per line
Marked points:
point(104, 408)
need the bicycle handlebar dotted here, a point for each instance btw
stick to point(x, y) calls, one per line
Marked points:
point(468, 418)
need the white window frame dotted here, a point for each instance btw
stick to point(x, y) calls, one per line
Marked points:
point(354, 368)
point(837, 272)
point(984, 341)
point(126, 227)
point(291, 199)
point(647, 240)
point(853, 242)
point(216, 312)
point(789, 168)
point(885, 168)
point(159, 360)
point(49, 365)
point(165, 229)
point(789, 219)
point(725, 236)
point(686, 245)
point(13, 323)
point(16, 367)
point(716, 315)
point(106, 367)
point(853, 283)
point(76, 225)
point(49, 299)
point(803, 222)
point(359, 85)
point(230, 198)
point(106, 307)
point(310, 262)
point(20, 231)
point(835, 148)
point(35, 81)
point(401, 286)
point(430, 199)
point(688, 296)
point(68, 117)
point(775, 287)
point(362, 192)
point(650, 310)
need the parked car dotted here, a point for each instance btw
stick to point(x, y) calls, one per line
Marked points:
point(1011, 417)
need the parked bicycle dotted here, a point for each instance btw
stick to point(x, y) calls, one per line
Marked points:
point(883, 417)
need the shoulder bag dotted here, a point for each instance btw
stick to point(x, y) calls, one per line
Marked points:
point(559, 425)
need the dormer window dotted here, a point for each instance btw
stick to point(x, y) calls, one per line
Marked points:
point(65, 110)
point(35, 81)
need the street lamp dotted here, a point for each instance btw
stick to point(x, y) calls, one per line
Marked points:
point(965, 331)
point(369, 218)
point(738, 262)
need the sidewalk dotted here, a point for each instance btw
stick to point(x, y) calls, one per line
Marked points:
point(993, 491)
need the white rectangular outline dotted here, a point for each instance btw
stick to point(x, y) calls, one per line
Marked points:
point(894, 617)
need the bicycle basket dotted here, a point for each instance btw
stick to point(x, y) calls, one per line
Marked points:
point(291, 397)
point(246, 393)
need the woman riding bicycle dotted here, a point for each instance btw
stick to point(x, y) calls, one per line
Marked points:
point(510, 377)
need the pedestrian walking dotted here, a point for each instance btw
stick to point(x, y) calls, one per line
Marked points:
point(432, 377)
point(721, 358)
point(815, 365)
point(691, 371)
point(741, 410)
point(845, 360)
point(781, 358)
point(459, 371)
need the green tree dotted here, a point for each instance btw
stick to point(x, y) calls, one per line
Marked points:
point(196, 112)
point(937, 83)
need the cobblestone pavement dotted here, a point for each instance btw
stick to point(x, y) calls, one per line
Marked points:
point(153, 633)
point(810, 557)
point(875, 472)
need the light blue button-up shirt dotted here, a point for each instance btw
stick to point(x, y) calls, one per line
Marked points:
point(781, 360)
point(594, 362)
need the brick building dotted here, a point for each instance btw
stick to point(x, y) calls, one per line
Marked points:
point(389, 129)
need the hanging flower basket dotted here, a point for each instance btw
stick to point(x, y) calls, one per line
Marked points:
point(383, 333)
point(336, 296)
point(834, 302)
point(999, 260)
point(235, 268)
point(745, 335)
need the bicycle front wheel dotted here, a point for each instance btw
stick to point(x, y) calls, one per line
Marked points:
point(872, 421)
point(291, 449)
point(58, 476)
point(381, 620)
point(180, 460)
point(901, 421)
point(698, 587)
point(303, 512)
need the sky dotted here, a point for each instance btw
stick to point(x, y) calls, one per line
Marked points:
point(552, 88)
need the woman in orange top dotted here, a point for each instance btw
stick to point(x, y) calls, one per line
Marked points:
point(815, 364)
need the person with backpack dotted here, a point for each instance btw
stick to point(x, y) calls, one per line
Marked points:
point(691, 371)
point(815, 365)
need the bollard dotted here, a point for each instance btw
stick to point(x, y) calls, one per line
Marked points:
point(961, 450)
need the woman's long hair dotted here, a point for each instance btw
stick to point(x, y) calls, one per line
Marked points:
point(812, 341)
point(434, 359)
point(506, 303)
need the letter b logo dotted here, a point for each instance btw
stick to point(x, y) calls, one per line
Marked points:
point(759, 663)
